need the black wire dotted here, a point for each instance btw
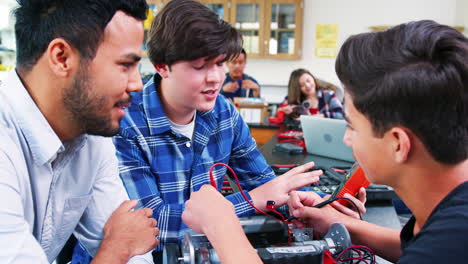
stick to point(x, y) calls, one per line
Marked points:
point(367, 256)
point(329, 201)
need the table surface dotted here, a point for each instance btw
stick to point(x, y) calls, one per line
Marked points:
point(378, 212)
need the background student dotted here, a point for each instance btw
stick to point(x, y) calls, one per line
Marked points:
point(237, 83)
point(307, 96)
point(422, 154)
point(58, 175)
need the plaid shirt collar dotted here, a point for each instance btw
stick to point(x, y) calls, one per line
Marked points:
point(158, 122)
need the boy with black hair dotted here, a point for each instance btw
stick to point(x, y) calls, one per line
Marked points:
point(58, 175)
point(406, 93)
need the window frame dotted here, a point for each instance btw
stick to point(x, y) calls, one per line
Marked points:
point(264, 31)
point(226, 5)
point(297, 31)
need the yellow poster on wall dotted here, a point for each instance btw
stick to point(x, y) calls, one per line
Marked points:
point(150, 17)
point(326, 40)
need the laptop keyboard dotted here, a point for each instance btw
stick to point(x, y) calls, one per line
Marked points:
point(332, 177)
point(329, 181)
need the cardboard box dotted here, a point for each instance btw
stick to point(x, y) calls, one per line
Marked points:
point(252, 110)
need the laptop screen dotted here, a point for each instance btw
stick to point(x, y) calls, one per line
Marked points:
point(324, 137)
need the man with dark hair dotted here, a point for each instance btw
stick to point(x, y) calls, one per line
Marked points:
point(178, 127)
point(406, 92)
point(237, 83)
point(58, 175)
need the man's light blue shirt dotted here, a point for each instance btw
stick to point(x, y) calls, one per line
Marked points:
point(50, 188)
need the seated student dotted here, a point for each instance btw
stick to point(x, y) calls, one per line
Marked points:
point(406, 92)
point(58, 171)
point(237, 83)
point(307, 96)
point(178, 127)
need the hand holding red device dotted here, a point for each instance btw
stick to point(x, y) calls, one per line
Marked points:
point(353, 181)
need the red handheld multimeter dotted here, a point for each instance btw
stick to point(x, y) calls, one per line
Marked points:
point(353, 181)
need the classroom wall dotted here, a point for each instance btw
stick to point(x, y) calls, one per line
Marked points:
point(352, 17)
point(7, 35)
point(461, 17)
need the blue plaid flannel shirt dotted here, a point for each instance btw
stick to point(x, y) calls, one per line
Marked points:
point(161, 168)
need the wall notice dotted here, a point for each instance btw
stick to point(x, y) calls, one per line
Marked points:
point(326, 40)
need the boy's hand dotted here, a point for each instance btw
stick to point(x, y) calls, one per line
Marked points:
point(278, 189)
point(359, 201)
point(249, 84)
point(301, 206)
point(206, 208)
point(230, 87)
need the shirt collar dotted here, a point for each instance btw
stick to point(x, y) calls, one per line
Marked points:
point(158, 122)
point(42, 140)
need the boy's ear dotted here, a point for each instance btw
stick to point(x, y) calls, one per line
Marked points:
point(162, 69)
point(401, 144)
point(61, 57)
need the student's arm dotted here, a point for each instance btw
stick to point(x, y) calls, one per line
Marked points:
point(383, 241)
point(256, 176)
point(220, 224)
point(285, 106)
point(287, 109)
point(225, 234)
point(278, 189)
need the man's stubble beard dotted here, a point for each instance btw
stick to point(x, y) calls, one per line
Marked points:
point(86, 109)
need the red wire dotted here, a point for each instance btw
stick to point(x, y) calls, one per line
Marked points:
point(287, 224)
point(357, 248)
point(358, 251)
point(344, 251)
point(213, 183)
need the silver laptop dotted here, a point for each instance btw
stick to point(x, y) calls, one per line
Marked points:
point(324, 137)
